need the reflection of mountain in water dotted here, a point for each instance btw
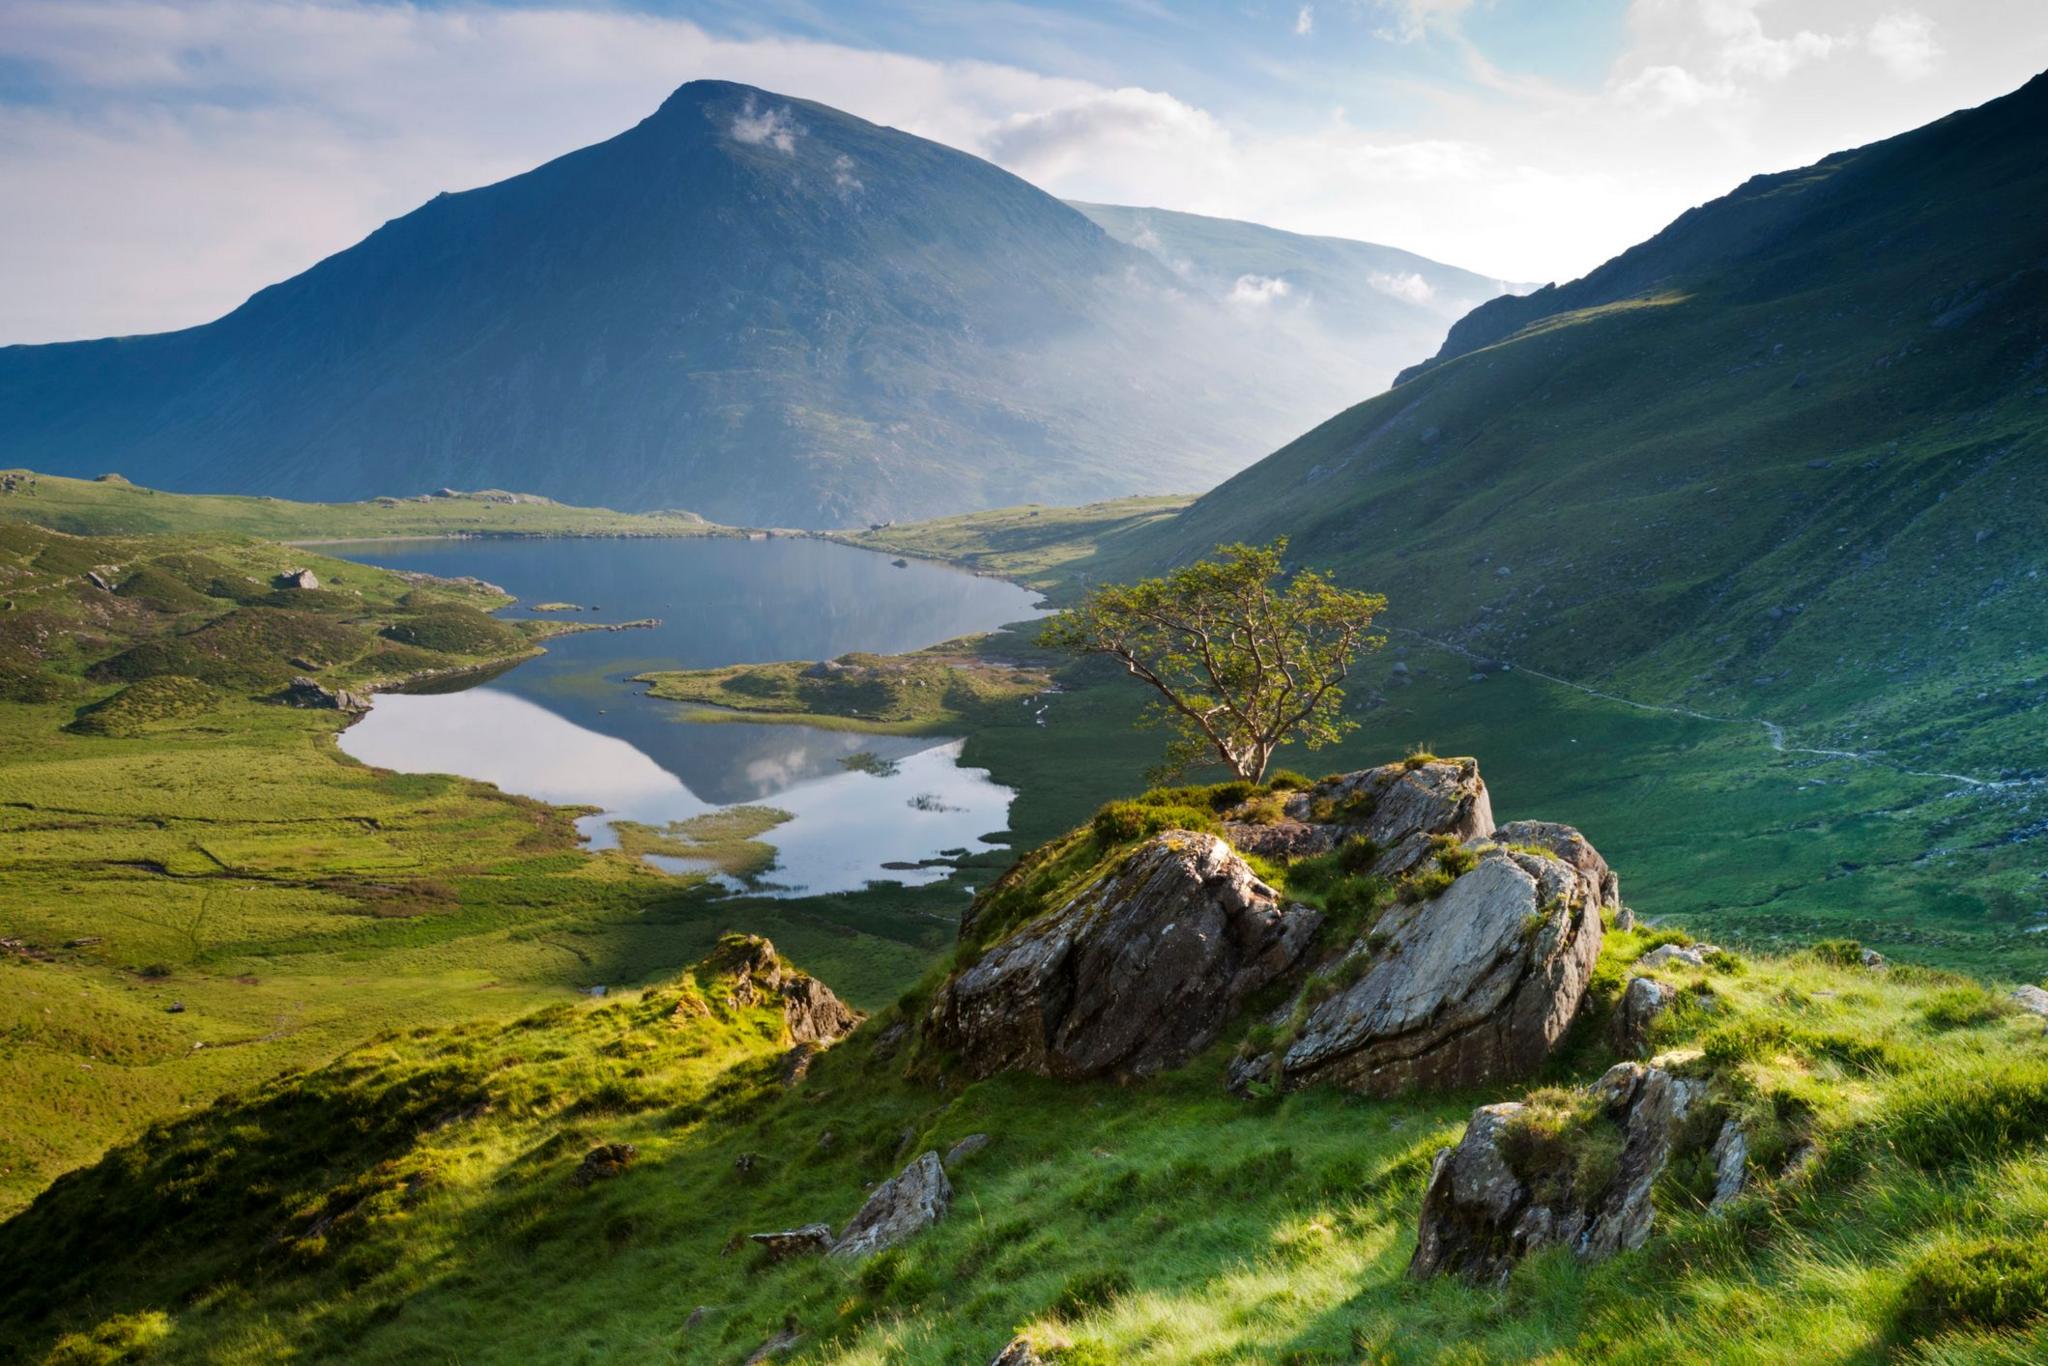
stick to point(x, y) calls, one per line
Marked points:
point(720, 601)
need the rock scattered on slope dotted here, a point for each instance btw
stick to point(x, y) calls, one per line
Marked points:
point(809, 1241)
point(900, 1209)
point(1504, 1192)
point(605, 1161)
point(297, 578)
point(1476, 984)
point(1137, 973)
point(1681, 955)
point(964, 1149)
point(2032, 999)
point(1642, 1001)
point(314, 696)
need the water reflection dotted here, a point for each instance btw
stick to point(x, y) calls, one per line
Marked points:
point(568, 727)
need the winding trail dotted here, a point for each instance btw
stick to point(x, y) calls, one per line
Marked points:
point(1772, 730)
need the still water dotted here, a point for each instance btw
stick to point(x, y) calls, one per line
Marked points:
point(568, 727)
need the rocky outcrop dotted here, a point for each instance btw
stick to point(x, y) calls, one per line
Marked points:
point(2031, 999)
point(312, 695)
point(1496, 1197)
point(756, 973)
point(1642, 1001)
point(1474, 985)
point(1139, 972)
point(900, 1209)
point(1399, 807)
point(297, 578)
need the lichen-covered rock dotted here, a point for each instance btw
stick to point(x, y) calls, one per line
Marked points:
point(1642, 1001)
point(1474, 985)
point(900, 1209)
point(1679, 955)
point(1399, 807)
point(1600, 881)
point(1481, 1215)
point(604, 1162)
point(1139, 972)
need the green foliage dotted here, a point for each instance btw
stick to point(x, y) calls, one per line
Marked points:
point(1841, 953)
point(1358, 854)
point(152, 701)
point(454, 629)
point(1241, 666)
point(1288, 780)
point(1994, 1283)
point(1124, 821)
point(1086, 1291)
point(1963, 1112)
point(1964, 1006)
point(1563, 1145)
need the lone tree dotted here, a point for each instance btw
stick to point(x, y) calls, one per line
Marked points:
point(1244, 658)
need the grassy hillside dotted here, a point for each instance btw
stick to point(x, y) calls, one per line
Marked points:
point(431, 1194)
point(202, 891)
point(111, 505)
point(1038, 546)
point(1752, 512)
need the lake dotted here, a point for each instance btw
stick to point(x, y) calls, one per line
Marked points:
point(568, 727)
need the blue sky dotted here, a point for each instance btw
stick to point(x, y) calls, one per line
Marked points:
point(161, 159)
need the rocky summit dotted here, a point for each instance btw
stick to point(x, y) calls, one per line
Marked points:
point(1468, 967)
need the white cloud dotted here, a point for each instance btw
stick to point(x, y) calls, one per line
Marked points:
point(771, 127)
point(843, 176)
point(1305, 21)
point(1905, 43)
point(1259, 290)
point(1406, 284)
point(1411, 20)
point(200, 149)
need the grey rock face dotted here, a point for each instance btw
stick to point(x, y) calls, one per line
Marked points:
point(1598, 879)
point(298, 578)
point(1480, 1216)
point(1138, 973)
point(2032, 999)
point(1475, 985)
point(1681, 955)
point(900, 1209)
point(1397, 807)
point(1644, 999)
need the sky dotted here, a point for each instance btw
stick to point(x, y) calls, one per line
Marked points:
point(160, 160)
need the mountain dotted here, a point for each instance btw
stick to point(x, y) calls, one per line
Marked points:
point(1788, 459)
point(1372, 309)
point(756, 307)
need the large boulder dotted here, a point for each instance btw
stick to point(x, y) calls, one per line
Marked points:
point(1399, 807)
point(1139, 972)
point(1642, 1001)
point(1474, 985)
point(1504, 1192)
point(900, 1208)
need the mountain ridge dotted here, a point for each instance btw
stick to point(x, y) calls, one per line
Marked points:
point(748, 304)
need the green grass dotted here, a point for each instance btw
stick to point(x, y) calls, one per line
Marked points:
point(933, 691)
point(178, 842)
point(727, 839)
point(1039, 546)
point(1163, 1221)
point(91, 507)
